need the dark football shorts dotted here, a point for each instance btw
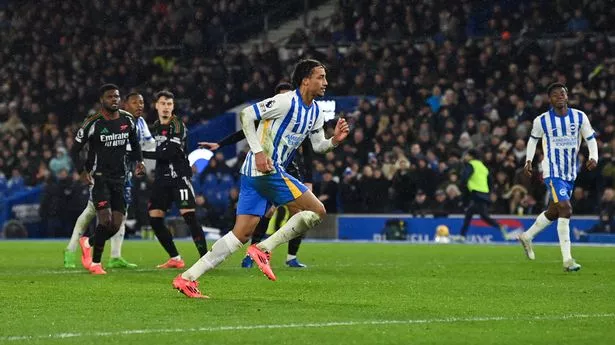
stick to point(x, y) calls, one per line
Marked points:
point(164, 193)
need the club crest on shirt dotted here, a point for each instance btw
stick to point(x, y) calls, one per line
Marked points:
point(563, 192)
point(573, 128)
point(123, 127)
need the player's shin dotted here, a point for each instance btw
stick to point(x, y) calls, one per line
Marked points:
point(198, 236)
point(297, 225)
point(164, 236)
point(101, 235)
point(221, 249)
point(563, 232)
point(260, 230)
point(117, 240)
point(81, 225)
point(540, 224)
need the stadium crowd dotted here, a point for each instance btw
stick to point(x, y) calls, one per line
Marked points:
point(446, 79)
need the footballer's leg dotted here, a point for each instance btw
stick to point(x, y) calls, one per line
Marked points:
point(542, 221)
point(116, 260)
point(117, 241)
point(564, 208)
point(251, 206)
point(228, 244)
point(160, 200)
point(307, 212)
point(81, 225)
point(259, 234)
point(184, 197)
point(110, 216)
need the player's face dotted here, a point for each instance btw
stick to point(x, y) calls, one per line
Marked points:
point(559, 97)
point(164, 106)
point(318, 81)
point(135, 105)
point(111, 100)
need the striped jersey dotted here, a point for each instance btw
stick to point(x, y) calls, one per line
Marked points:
point(285, 121)
point(561, 139)
point(146, 140)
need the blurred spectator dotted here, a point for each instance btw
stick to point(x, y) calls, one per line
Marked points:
point(326, 191)
point(350, 198)
point(580, 203)
point(61, 204)
point(607, 216)
point(439, 206)
point(420, 205)
point(61, 161)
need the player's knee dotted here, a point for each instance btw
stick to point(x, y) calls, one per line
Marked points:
point(312, 218)
point(316, 207)
point(105, 221)
point(321, 211)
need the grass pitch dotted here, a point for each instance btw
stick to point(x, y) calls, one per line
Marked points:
point(349, 294)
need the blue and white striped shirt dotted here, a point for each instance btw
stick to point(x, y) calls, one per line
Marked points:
point(146, 140)
point(285, 121)
point(561, 139)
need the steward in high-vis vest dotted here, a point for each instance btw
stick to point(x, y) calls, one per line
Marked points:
point(477, 179)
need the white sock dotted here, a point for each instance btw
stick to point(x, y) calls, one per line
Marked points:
point(290, 257)
point(82, 223)
point(297, 225)
point(179, 257)
point(540, 224)
point(117, 240)
point(563, 232)
point(222, 249)
point(95, 263)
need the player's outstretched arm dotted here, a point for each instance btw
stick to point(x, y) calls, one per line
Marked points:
point(228, 140)
point(322, 145)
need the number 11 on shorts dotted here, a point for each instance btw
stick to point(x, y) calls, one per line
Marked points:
point(183, 194)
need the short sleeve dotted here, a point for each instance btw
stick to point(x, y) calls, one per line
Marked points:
point(537, 130)
point(274, 107)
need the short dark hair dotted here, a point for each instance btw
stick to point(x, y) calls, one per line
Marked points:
point(474, 153)
point(105, 88)
point(283, 86)
point(134, 93)
point(555, 86)
point(164, 93)
point(303, 69)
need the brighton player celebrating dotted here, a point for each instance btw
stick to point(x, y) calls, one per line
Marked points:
point(285, 121)
point(560, 129)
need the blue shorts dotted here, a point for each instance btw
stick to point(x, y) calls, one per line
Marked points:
point(258, 193)
point(558, 189)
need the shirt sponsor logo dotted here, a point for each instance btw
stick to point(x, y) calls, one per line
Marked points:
point(118, 139)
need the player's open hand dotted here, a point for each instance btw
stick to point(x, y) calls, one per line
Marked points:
point(264, 164)
point(341, 131)
point(140, 169)
point(209, 146)
point(591, 164)
point(528, 168)
point(87, 178)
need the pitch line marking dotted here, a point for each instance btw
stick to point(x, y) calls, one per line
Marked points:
point(304, 325)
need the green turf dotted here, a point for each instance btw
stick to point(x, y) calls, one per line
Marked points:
point(413, 294)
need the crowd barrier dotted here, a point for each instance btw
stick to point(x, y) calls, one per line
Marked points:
point(421, 230)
